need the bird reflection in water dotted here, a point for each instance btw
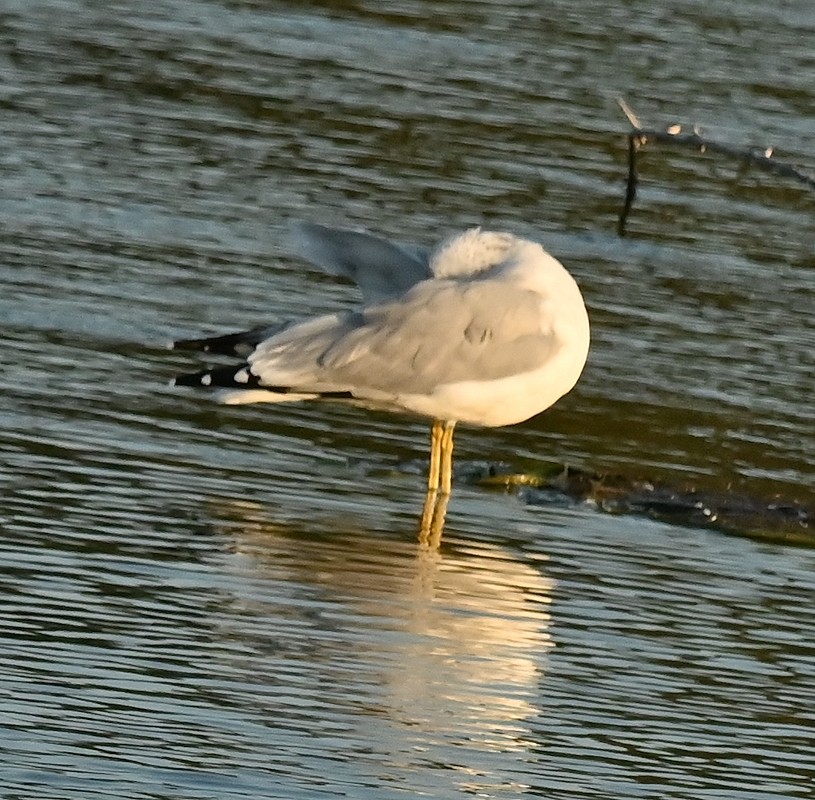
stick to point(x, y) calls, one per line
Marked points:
point(423, 658)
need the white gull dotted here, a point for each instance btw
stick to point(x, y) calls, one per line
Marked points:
point(487, 329)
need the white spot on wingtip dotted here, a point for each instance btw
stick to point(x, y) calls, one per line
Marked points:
point(242, 376)
point(206, 380)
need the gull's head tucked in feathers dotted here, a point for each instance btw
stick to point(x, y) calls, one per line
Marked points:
point(471, 252)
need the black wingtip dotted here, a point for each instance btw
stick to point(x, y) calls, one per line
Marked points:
point(197, 379)
point(235, 377)
point(231, 344)
point(198, 345)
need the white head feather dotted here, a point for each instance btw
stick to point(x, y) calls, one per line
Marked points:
point(470, 252)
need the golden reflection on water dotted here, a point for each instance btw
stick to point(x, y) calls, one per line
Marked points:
point(451, 642)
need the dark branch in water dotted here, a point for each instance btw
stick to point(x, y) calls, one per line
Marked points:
point(638, 137)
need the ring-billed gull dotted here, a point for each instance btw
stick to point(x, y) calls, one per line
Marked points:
point(486, 329)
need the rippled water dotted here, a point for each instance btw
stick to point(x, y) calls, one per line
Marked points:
point(208, 602)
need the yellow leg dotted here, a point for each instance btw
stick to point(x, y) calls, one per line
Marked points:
point(447, 457)
point(436, 436)
point(428, 515)
point(439, 481)
point(432, 523)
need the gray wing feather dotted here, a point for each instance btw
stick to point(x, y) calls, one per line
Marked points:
point(440, 332)
point(380, 268)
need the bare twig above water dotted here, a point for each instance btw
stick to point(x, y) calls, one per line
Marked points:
point(638, 137)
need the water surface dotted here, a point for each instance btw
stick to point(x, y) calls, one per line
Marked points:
point(207, 602)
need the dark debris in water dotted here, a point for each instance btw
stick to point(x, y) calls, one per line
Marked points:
point(773, 519)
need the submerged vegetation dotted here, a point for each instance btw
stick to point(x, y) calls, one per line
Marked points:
point(773, 519)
